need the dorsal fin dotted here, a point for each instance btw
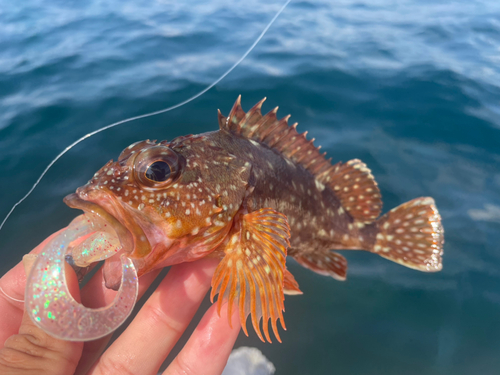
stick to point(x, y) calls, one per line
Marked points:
point(277, 134)
point(354, 184)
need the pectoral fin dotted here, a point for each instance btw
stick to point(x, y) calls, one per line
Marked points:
point(291, 286)
point(253, 268)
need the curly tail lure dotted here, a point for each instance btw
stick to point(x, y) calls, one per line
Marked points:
point(50, 304)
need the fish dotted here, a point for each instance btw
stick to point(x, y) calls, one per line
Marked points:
point(253, 194)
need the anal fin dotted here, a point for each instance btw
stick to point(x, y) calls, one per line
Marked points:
point(252, 271)
point(325, 263)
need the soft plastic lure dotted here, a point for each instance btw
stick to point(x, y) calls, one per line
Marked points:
point(48, 300)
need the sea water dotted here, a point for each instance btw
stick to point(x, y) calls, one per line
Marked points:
point(411, 87)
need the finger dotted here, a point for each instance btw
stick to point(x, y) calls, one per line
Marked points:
point(208, 348)
point(12, 285)
point(33, 351)
point(94, 295)
point(144, 345)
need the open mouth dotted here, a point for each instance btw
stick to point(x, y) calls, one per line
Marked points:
point(110, 236)
point(107, 227)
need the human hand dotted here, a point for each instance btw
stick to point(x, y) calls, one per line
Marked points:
point(141, 348)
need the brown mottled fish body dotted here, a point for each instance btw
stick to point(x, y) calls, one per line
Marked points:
point(250, 194)
point(318, 223)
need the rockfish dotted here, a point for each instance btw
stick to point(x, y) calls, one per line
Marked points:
point(250, 194)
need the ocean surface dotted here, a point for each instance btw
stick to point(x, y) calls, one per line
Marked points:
point(411, 87)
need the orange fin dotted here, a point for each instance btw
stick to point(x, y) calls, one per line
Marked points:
point(326, 264)
point(356, 188)
point(251, 273)
point(291, 286)
point(412, 235)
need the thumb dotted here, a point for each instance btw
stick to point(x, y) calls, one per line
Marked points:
point(33, 351)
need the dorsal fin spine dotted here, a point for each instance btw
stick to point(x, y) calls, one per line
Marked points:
point(277, 133)
point(304, 156)
point(235, 116)
point(222, 119)
point(264, 125)
point(294, 147)
point(274, 132)
point(253, 116)
point(321, 166)
point(285, 141)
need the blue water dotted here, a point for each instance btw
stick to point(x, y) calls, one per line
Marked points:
point(411, 87)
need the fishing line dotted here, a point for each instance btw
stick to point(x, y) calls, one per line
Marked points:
point(130, 119)
point(9, 297)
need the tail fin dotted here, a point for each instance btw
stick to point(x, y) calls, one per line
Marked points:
point(412, 235)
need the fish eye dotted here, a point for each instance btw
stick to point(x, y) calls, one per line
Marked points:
point(158, 171)
point(156, 167)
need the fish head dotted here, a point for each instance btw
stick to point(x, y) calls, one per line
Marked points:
point(167, 202)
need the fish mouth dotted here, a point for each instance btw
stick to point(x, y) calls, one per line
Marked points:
point(112, 222)
point(95, 210)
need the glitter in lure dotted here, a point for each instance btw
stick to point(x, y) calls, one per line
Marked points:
point(96, 247)
point(51, 306)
